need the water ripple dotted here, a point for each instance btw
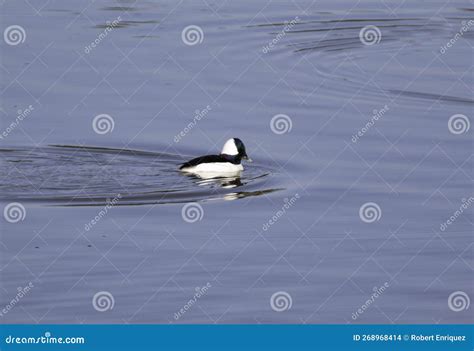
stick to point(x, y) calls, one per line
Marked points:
point(87, 176)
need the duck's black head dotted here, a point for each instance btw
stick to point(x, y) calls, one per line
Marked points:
point(235, 147)
point(241, 149)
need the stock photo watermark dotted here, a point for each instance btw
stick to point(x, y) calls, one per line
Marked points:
point(459, 124)
point(21, 115)
point(370, 212)
point(103, 124)
point(466, 203)
point(110, 26)
point(45, 339)
point(103, 212)
point(458, 301)
point(465, 27)
point(288, 203)
point(199, 292)
point(14, 35)
point(22, 292)
point(281, 124)
point(192, 212)
point(377, 292)
point(281, 301)
point(280, 35)
point(376, 115)
point(103, 301)
point(192, 35)
point(14, 212)
point(198, 115)
point(370, 35)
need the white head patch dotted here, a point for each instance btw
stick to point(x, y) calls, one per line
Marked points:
point(230, 148)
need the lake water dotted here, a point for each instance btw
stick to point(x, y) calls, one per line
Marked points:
point(345, 107)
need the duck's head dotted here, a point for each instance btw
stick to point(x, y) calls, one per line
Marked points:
point(236, 148)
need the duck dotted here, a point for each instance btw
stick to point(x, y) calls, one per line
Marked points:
point(227, 163)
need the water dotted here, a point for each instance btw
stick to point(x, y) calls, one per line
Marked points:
point(71, 175)
point(110, 212)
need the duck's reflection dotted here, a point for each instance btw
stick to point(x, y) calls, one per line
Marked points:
point(227, 181)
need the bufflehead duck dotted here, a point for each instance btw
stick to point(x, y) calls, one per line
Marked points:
point(227, 163)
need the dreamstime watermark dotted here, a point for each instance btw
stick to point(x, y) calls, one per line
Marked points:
point(192, 212)
point(458, 124)
point(22, 292)
point(281, 301)
point(377, 292)
point(14, 35)
point(110, 25)
point(198, 115)
point(46, 339)
point(281, 124)
point(103, 124)
point(14, 212)
point(466, 26)
point(458, 301)
point(288, 203)
point(466, 203)
point(200, 292)
point(376, 115)
point(370, 35)
point(102, 213)
point(370, 212)
point(192, 35)
point(21, 115)
point(103, 301)
point(281, 34)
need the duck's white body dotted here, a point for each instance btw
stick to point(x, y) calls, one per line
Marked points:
point(214, 167)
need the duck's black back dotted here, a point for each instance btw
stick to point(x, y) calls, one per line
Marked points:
point(211, 159)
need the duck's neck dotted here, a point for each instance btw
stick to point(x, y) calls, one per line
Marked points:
point(236, 159)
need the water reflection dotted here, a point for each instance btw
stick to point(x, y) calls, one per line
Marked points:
point(224, 182)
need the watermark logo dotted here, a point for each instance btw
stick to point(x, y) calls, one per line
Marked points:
point(192, 212)
point(103, 124)
point(458, 124)
point(14, 212)
point(458, 301)
point(288, 203)
point(21, 115)
point(22, 292)
point(466, 203)
point(281, 34)
point(102, 35)
point(199, 292)
point(370, 212)
point(14, 35)
point(375, 295)
point(46, 339)
point(377, 114)
point(110, 203)
point(281, 124)
point(192, 35)
point(198, 115)
point(103, 301)
point(281, 301)
point(370, 35)
point(465, 26)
